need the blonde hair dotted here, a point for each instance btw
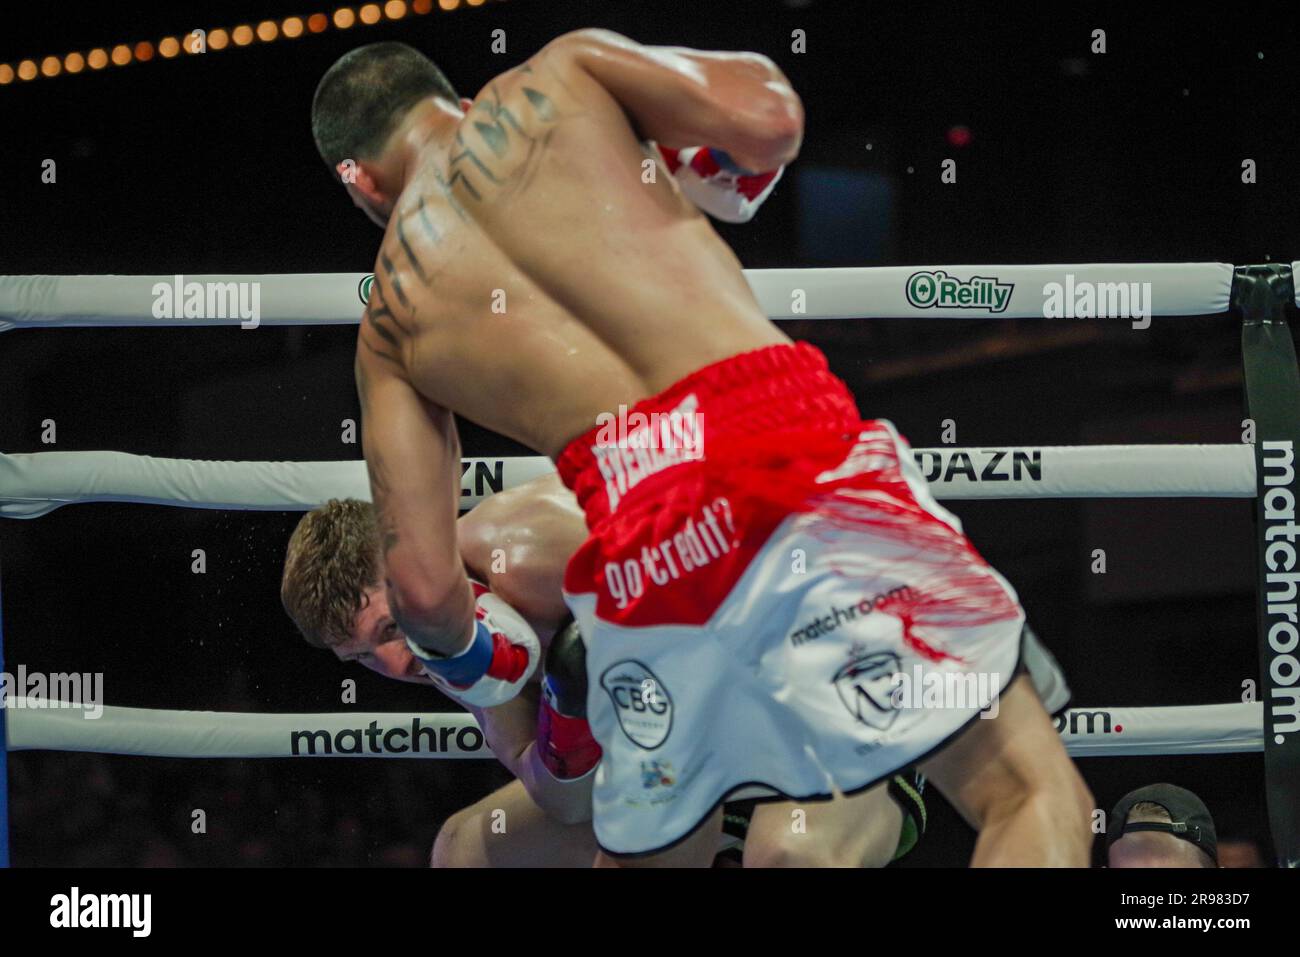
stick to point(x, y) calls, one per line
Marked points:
point(1147, 811)
point(332, 558)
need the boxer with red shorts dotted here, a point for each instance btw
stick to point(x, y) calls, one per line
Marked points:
point(762, 563)
point(750, 500)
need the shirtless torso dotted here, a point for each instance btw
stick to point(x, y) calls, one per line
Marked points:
point(534, 275)
point(537, 270)
point(531, 278)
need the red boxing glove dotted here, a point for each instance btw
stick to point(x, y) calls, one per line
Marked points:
point(564, 740)
point(710, 180)
point(565, 744)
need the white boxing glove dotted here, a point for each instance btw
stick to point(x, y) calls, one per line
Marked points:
point(500, 658)
point(715, 184)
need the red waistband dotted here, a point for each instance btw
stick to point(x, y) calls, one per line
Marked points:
point(775, 389)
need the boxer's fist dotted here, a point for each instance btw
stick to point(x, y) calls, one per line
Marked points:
point(501, 656)
point(713, 182)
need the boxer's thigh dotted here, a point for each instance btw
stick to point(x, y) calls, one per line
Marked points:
point(861, 830)
point(998, 762)
point(507, 829)
point(698, 849)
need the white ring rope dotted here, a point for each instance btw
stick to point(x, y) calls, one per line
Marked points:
point(35, 484)
point(45, 726)
point(1021, 292)
point(35, 725)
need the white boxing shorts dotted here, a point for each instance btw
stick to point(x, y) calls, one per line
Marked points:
point(769, 596)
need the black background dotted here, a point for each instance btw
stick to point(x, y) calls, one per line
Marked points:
point(205, 164)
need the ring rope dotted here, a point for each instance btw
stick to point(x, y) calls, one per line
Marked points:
point(35, 484)
point(1175, 289)
point(42, 724)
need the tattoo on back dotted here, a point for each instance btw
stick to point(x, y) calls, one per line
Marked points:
point(380, 327)
point(497, 149)
point(489, 160)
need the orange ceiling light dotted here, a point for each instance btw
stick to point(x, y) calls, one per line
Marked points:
point(266, 31)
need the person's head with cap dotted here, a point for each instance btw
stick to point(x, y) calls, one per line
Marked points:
point(1161, 825)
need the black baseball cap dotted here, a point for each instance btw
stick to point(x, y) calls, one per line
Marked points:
point(1189, 818)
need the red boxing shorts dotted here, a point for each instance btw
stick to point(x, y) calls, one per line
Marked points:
point(769, 595)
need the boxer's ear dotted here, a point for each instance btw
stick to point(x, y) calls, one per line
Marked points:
point(465, 104)
point(363, 181)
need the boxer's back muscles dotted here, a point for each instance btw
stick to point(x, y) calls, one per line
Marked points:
point(534, 274)
point(531, 277)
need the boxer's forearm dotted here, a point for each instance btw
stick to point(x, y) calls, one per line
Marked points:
point(568, 802)
point(442, 624)
point(739, 102)
point(511, 733)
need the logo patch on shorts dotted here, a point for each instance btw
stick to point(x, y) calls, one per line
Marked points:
point(865, 684)
point(656, 774)
point(642, 703)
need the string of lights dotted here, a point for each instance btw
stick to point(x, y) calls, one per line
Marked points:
point(221, 38)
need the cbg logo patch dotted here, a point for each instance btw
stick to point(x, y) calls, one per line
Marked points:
point(642, 703)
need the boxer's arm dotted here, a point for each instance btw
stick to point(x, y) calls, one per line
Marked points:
point(519, 541)
point(413, 460)
point(738, 102)
point(510, 731)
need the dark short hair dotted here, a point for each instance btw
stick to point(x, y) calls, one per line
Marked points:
point(361, 99)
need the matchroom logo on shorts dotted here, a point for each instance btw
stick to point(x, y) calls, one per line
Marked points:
point(935, 288)
point(642, 703)
point(865, 684)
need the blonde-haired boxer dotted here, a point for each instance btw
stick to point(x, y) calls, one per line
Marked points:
point(518, 541)
point(537, 277)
